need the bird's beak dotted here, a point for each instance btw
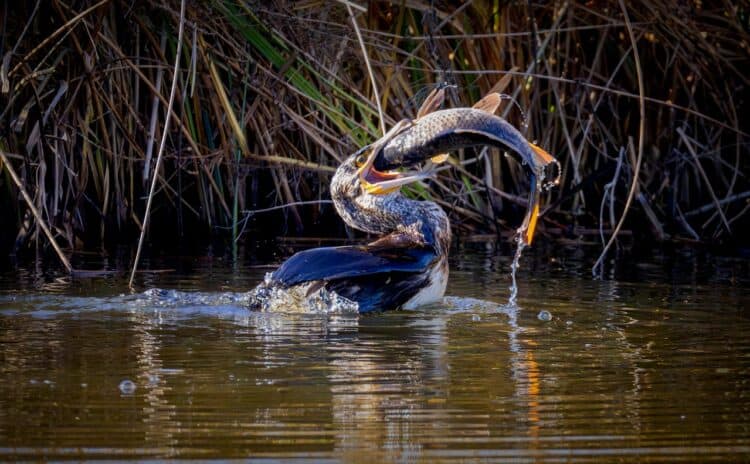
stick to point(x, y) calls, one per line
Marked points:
point(380, 183)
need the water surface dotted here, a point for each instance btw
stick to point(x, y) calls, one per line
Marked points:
point(650, 364)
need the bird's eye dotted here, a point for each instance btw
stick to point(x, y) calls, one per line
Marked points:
point(360, 160)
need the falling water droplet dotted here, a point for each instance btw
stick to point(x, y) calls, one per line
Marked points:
point(127, 387)
point(544, 315)
point(524, 115)
point(513, 268)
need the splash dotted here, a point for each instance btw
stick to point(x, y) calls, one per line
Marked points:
point(525, 233)
point(524, 114)
point(306, 298)
point(521, 244)
point(170, 298)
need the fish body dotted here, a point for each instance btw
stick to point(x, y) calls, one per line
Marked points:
point(437, 132)
point(452, 129)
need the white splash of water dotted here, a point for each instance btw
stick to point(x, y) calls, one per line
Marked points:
point(513, 268)
point(270, 297)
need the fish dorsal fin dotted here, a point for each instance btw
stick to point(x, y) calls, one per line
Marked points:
point(490, 103)
point(503, 83)
point(433, 101)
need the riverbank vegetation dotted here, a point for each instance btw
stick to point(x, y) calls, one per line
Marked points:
point(270, 98)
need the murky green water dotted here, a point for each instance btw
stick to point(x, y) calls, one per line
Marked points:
point(653, 365)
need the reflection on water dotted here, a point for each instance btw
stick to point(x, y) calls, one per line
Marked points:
point(625, 371)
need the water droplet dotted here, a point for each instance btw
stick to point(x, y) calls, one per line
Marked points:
point(476, 318)
point(544, 315)
point(127, 387)
point(520, 245)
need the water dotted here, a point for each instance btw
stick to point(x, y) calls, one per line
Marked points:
point(650, 365)
point(520, 245)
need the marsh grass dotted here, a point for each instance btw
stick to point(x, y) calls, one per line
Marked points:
point(271, 98)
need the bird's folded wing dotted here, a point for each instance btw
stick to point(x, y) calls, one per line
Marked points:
point(335, 263)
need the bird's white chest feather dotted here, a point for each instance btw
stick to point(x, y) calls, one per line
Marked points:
point(433, 292)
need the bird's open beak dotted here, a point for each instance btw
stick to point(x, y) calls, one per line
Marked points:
point(380, 183)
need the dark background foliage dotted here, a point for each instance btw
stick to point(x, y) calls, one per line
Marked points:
point(272, 96)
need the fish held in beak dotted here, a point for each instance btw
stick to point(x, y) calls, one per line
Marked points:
point(442, 131)
point(448, 130)
point(376, 182)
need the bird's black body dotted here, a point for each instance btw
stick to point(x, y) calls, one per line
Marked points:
point(375, 277)
point(407, 266)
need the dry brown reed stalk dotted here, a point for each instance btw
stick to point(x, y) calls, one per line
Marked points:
point(81, 102)
point(40, 220)
point(597, 268)
point(381, 116)
point(172, 93)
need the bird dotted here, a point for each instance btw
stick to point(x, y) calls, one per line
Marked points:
point(407, 265)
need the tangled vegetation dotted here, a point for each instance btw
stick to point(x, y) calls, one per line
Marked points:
point(270, 98)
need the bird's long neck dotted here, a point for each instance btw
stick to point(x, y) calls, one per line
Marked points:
point(424, 221)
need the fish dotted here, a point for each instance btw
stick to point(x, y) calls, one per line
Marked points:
point(436, 132)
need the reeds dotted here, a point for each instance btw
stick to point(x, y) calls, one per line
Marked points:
point(271, 98)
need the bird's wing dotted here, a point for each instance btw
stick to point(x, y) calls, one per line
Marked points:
point(376, 277)
point(329, 263)
point(382, 291)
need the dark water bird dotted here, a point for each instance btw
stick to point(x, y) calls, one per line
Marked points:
point(407, 266)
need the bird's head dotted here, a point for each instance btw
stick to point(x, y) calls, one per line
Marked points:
point(364, 195)
point(358, 176)
point(364, 189)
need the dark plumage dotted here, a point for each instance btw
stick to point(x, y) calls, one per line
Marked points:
point(407, 266)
